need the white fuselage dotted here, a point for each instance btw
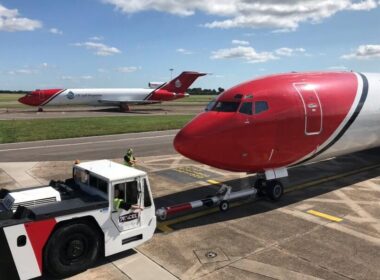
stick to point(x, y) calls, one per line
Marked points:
point(99, 97)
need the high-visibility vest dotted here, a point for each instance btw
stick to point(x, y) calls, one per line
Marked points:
point(117, 202)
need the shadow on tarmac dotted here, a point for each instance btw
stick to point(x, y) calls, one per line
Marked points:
point(298, 176)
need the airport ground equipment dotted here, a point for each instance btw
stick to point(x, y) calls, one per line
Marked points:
point(62, 228)
point(222, 199)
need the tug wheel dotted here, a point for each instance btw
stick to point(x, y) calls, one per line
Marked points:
point(72, 248)
point(224, 206)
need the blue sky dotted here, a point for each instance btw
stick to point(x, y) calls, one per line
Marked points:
point(127, 43)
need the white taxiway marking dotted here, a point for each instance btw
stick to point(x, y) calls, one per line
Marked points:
point(85, 143)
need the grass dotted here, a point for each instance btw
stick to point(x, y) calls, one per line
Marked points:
point(43, 129)
point(10, 100)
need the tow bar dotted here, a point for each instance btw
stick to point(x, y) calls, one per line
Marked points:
point(222, 198)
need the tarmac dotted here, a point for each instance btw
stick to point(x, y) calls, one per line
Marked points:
point(327, 225)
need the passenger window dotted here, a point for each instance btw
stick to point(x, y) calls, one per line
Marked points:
point(246, 108)
point(226, 106)
point(210, 105)
point(127, 193)
point(147, 201)
point(99, 184)
point(132, 193)
point(261, 106)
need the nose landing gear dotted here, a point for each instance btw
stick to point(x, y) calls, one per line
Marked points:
point(273, 189)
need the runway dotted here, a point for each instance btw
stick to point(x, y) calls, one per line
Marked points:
point(89, 148)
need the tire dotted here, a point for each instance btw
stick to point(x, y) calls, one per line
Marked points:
point(260, 185)
point(275, 190)
point(224, 206)
point(71, 249)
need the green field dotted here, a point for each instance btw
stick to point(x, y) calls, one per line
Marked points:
point(9, 100)
point(42, 129)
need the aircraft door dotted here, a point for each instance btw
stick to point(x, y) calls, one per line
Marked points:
point(312, 106)
point(127, 205)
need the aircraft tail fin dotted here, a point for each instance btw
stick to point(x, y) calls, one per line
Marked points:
point(176, 88)
point(181, 83)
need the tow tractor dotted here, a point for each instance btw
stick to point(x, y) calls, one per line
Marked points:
point(105, 208)
point(62, 228)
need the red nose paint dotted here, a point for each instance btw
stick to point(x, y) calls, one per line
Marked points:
point(39, 97)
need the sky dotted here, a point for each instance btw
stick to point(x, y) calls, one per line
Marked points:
point(128, 43)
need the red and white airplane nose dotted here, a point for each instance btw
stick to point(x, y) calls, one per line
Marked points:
point(39, 97)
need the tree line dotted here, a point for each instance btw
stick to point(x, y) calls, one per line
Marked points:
point(14, 91)
point(201, 91)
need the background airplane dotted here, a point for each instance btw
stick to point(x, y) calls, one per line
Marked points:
point(269, 124)
point(121, 97)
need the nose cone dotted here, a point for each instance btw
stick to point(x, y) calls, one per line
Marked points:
point(207, 139)
point(23, 100)
point(39, 97)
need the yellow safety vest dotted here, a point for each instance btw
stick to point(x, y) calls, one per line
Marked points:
point(117, 202)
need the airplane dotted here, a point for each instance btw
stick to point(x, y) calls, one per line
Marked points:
point(272, 123)
point(122, 97)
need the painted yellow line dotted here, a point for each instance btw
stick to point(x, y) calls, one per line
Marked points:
point(165, 226)
point(325, 216)
point(213, 182)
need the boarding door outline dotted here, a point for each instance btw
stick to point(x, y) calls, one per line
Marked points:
point(312, 108)
point(129, 216)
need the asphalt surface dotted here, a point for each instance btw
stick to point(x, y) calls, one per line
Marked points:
point(90, 148)
point(327, 225)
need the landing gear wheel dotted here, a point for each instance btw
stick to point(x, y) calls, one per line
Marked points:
point(224, 206)
point(40, 109)
point(72, 249)
point(275, 190)
point(124, 107)
point(260, 185)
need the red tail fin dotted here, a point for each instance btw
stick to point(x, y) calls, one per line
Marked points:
point(181, 83)
point(176, 88)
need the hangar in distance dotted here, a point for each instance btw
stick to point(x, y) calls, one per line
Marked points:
point(121, 97)
point(271, 123)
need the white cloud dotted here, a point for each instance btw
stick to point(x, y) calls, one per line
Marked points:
point(184, 51)
point(289, 51)
point(96, 38)
point(11, 21)
point(55, 31)
point(98, 48)
point(102, 70)
point(364, 52)
point(23, 71)
point(86, 77)
point(247, 53)
point(240, 42)
point(285, 15)
point(337, 67)
point(77, 79)
point(128, 69)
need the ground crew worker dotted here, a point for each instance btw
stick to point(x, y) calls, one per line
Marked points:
point(118, 200)
point(129, 158)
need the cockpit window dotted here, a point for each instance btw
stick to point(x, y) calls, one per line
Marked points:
point(246, 108)
point(210, 105)
point(261, 106)
point(226, 106)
